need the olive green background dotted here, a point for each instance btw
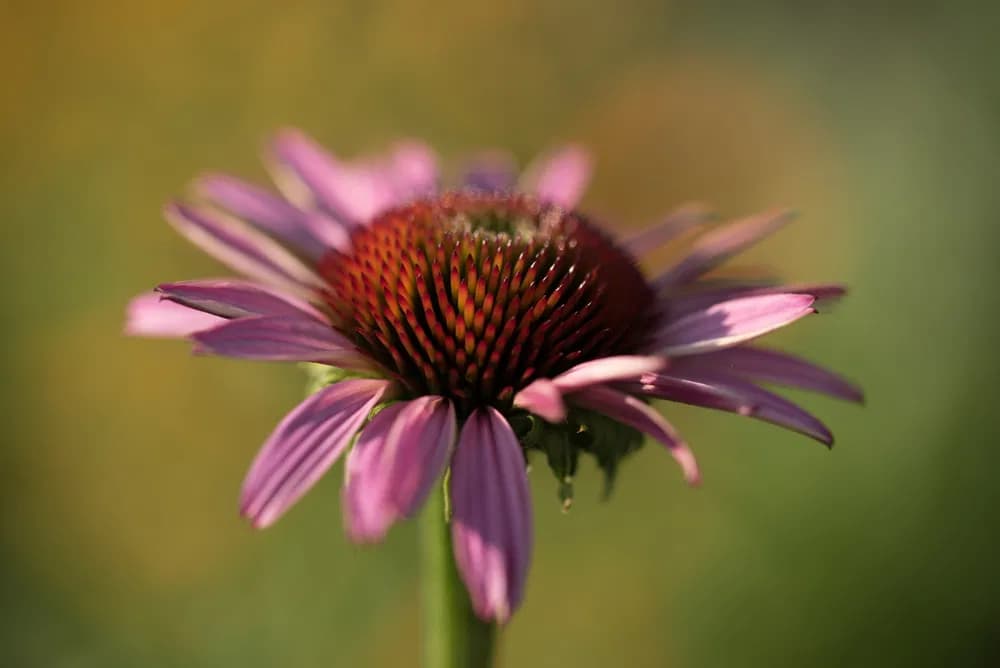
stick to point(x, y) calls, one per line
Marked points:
point(121, 458)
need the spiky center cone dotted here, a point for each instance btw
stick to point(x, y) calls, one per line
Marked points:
point(474, 296)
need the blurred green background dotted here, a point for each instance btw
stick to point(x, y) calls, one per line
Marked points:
point(122, 458)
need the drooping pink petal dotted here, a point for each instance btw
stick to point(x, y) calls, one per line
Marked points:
point(560, 177)
point(310, 177)
point(633, 412)
point(675, 224)
point(281, 338)
point(717, 246)
point(731, 322)
point(544, 396)
point(151, 315)
point(395, 464)
point(264, 210)
point(772, 366)
point(230, 298)
point(766, 405)
point(304, 446)
point(686, 391)
point(491, 515)
point(681, 305)
point(241, 247)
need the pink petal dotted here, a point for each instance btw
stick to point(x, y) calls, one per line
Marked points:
point(681, 305)
point(281, 338)
point(491, 515)
point(717, 246)
point(151, 315)
point(412, 171)
point(310, 177)
point(560, 177)
point(732, 322)
point(636, 414)
point(772, 366)
point(395, 464)
point(264, 210)
point(675, 224)
point(544, 397)
point(766, 406)
point(236, 299)
point(304, 446)
point(687, 391)
point(242, 248)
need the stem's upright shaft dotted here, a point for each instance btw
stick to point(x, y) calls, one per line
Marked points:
point(453, 636)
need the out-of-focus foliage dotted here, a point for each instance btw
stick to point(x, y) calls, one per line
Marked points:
point(122, 458)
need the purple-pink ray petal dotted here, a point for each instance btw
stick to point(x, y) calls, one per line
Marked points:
point(767, 406)
point(634, 413)
point(731, 322)
point(491, 514)
point(544, 396)
point(675, 224)
point(304, 446)
point(681, 305)
point(412, 170)
point(560, 177)
point(151, 315)
point(691, 392)
point(394, 466)
point(772, 366)
point(228, 298)
point(717, 246)
point(264, 210)
point(239, 246)
point(310, 177)
point(281, 338)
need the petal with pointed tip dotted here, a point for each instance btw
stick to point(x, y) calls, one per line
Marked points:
point(151, 315)
point(675, 224)
point(732, 322)
point(281, 338)
point(228, 298)
point(304, 446)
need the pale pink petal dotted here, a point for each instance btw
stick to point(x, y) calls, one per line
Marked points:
point(687, 391)
point(264, 210)
point(230, 298)
point(732, 322)
point(151, 315)
point(719, 245)
point(674, 225)
point(491, 515)
point(766, 406)
point(304, 446)
point(242, 248)
point(543, 398)
point(681, 305)
point(772, 366)
point(634, 413)
point(281, 338)
point(395, 464)
point(560, 177)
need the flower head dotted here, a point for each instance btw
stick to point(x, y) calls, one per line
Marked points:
point(461, 329)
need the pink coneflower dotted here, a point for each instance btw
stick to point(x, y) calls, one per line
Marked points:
point(464, 328)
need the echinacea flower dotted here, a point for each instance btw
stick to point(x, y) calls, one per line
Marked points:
point(460, 329)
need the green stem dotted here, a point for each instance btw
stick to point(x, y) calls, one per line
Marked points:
point(453, 636)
